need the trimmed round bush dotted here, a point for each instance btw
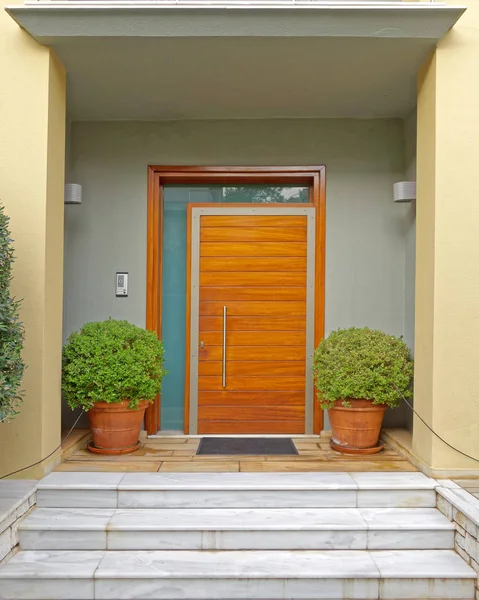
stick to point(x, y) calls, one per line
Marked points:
point(112, 361)
point(362, 363)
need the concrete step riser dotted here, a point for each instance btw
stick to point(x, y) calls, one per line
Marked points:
point(234, 589)
point(260, 575)
point(300, 589)
point(61, 498)
point(236, 529)
point(237, 540)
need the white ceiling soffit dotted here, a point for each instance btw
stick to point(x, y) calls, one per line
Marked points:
point(50, 20)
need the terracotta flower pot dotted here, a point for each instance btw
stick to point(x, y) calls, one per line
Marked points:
point(356, 429)
point(115, 428)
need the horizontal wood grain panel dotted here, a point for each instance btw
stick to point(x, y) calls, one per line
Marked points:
point(252, 309)
point(253, 249)
point(233, 353)
point(240, 278)
point(244, 413)
point(250, 398)
point(253, 427)
point(254, 323)
point(253, 338)
point(273, 294)
point(252, 221)
point(253, 234)
point(253, 383)
point(239, 367)
point(238, 263)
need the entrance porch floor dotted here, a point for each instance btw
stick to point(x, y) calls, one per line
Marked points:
point(178, 454)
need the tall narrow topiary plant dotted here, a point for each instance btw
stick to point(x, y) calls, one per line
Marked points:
point(11, 330)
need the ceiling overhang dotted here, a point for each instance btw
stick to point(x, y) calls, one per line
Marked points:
point(178, 59)
point(47, 20)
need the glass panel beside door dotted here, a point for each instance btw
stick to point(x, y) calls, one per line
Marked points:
point(173, 284)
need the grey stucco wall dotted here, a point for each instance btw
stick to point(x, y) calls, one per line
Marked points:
point(410, 134)
point(365, 230)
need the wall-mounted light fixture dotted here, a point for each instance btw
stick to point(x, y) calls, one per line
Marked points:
point(404, 191)
point(73, 193)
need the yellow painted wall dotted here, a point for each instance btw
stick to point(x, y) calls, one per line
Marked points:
point(447, 283)
point(32, 132)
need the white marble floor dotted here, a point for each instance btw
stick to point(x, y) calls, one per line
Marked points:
point(230, 575)
point(13, 492)
point(236, 529)
point(236, 490)
point(232, 536)
point(16, 498)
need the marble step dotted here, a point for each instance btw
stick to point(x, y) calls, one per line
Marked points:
point(236, 529)
point(236, 490)
point(205, 575)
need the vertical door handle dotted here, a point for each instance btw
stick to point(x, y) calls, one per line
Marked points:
point(224, 347)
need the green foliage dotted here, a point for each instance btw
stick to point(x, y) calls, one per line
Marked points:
point(362, 364)
point(11, 331)
point(112, 361)
point(263, 194)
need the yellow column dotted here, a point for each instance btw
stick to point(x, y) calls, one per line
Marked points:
point(32, 149)
point(447, 260)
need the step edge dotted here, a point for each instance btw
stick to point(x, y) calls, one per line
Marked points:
point(279, 528)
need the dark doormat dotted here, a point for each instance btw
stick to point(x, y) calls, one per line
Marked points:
point(217, 445)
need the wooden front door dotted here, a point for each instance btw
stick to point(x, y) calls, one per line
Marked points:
point(252, 319)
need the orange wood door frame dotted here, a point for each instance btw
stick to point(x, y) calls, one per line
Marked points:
point(158, 176)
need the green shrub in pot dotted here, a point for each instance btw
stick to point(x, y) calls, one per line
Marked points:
point(113, 370)
point(358, 368)
point(112, 361)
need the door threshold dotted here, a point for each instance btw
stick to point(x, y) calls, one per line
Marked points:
point(169, 435)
